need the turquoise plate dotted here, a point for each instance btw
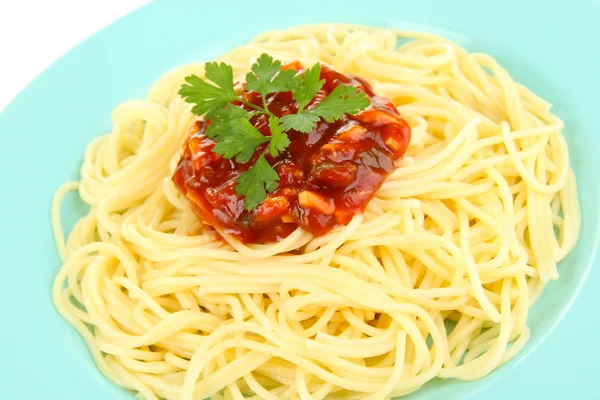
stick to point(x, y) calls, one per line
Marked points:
point(550, 46)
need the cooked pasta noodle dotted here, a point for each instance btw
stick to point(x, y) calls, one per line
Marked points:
point(435, 279)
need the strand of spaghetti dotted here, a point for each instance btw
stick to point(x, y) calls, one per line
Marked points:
point(57, 229)
point(526, 174)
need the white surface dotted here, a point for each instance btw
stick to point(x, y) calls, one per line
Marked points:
point(35, 33)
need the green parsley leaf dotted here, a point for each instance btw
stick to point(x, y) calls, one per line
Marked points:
point(221, 74)
point(304, 122)
point(205, 96)
point(267, 77)
point(256, 182)
point(279, 140)
point(242, 141)
point(228, 112)
point(220, 120)
point(307, 86)
point(342, 100)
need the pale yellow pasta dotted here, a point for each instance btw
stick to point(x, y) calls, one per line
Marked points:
point(465, 233)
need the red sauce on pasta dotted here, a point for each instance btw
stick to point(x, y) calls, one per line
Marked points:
point(326, 177)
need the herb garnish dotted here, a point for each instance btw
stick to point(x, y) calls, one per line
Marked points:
point(230, 126)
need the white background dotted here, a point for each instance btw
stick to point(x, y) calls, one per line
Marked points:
point(35, 33)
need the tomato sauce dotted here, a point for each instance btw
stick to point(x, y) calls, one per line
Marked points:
point(326, 177)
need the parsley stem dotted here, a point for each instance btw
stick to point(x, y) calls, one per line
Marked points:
point(252, 105)
point(258, 108)
point(264, 99)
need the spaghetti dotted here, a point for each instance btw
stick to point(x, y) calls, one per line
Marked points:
point(434, 279)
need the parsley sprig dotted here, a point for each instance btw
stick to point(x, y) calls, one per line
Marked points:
point(230, 125)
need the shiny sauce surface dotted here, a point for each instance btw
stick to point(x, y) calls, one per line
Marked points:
point(326, 177)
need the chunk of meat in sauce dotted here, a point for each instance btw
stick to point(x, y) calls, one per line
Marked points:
point(326, 177)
